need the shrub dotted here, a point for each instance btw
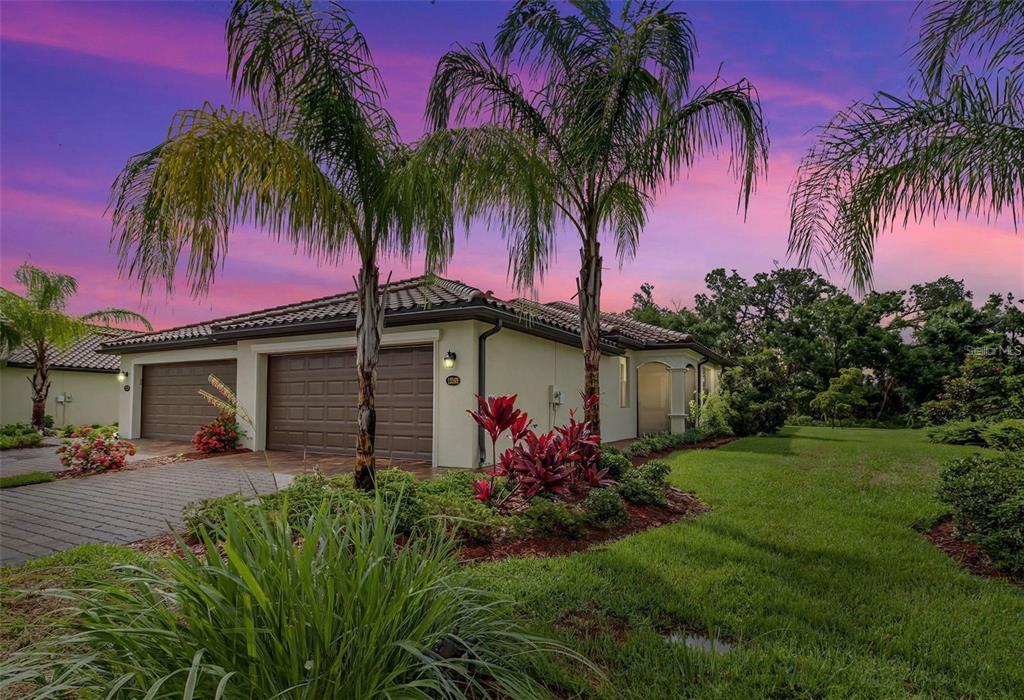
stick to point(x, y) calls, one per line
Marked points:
point(398, 489)
point(646, 484)
point(1005, 435)
point(209, 513)
point(99, 454)
point(11, 442)
point(614, 462)
point(304, 496)
point(713, 414)
point(605, 508)
point(15, 429)
point(343, 613)
point(548, 518)
point(986, 494)
point(219, 435)
point(962, 432)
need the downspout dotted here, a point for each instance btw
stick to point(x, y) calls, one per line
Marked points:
point(700, 387)
point(481, 384)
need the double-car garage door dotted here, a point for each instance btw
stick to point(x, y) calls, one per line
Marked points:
point(311, 401)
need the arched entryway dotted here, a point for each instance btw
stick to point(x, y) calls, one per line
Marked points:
point(654, 398)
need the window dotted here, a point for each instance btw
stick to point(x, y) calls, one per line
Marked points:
point(623, 382)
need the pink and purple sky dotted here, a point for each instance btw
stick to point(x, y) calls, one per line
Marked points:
point(84, 86)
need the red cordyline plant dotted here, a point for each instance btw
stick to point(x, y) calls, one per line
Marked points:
point(557, 462)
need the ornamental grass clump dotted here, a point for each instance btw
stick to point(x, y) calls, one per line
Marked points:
point(332, 609)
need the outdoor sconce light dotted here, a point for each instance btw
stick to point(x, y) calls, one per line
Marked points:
point(449, 359)
point(122, 376)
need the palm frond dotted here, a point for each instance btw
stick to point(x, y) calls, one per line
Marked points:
point(502, 177)
point(991, 31)
point(110, 316)
point(893, 161)
point(217, 169)
point(47, 290)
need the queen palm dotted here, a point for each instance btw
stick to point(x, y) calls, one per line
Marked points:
point(38, 321)
point(578, 119)
point(317, 161)
point(953, 147)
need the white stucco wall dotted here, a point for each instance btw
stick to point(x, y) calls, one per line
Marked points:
point(94, 397)
point(522, 364)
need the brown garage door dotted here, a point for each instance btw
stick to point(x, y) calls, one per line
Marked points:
point(311, 402)
point(171, 405)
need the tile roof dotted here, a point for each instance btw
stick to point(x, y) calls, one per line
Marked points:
point(82, 355)
point(418, 294)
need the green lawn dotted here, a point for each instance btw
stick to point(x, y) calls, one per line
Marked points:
point(810, 561)
point(9, 482)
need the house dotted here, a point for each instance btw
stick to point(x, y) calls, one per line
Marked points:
point(293, 369)
point(83, 383)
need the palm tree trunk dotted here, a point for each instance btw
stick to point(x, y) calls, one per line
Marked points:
point(588, 287)
point(369, 325)
point(40, 389)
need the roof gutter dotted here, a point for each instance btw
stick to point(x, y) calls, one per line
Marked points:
point(481, 383)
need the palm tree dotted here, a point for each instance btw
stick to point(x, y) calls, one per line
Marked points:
point(39, 322)
point(955, 147)
point(608, 119)
point(316, 161)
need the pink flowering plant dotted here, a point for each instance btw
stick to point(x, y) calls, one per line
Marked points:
point(89, 455)
point(219, 435)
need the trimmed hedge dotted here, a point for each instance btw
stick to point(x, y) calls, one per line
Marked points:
point(986, 493)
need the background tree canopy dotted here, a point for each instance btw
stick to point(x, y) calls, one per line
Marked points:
point(929, 352)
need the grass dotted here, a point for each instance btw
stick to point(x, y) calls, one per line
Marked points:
point(9, 482)
point(810, 562)
point(26, 616)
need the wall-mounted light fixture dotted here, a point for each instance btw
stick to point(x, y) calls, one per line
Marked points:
point(449, 359)
point(122, 376)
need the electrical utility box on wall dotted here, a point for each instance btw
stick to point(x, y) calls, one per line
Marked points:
point(554, 395)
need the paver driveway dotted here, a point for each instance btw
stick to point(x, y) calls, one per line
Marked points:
point(120, 507)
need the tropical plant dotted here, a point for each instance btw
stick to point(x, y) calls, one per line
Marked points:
point(952, 148)
point(330, 609)
point(39, 321)
point(611, 120)
point(316, 161)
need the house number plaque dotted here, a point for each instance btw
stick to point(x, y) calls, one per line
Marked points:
point(453, 380)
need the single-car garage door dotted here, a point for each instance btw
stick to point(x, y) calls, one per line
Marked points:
point(311, 402)
point(171, 405)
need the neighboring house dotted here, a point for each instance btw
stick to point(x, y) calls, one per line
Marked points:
point(83, 383)
point(444, 342)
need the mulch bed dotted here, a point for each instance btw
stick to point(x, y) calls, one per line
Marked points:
point(681, 505)
point(972, 557)
point(150, 462)
point(709, 444)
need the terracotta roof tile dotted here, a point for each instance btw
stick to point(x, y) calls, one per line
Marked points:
point(418, 293)
point(82, 355)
